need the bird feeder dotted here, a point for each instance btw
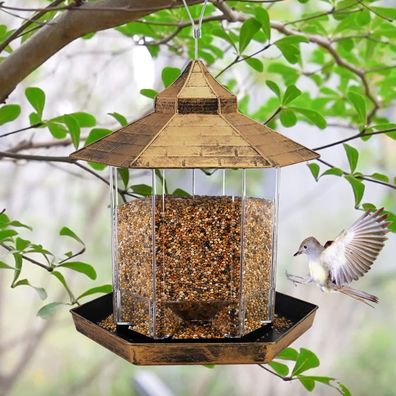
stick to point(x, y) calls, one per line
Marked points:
point(194, 238)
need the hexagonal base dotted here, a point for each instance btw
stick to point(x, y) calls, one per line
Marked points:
point(260, 346)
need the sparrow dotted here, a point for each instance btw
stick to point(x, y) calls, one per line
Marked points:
point(337, 263)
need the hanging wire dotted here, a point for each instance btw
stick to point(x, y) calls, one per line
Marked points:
point(197, 28)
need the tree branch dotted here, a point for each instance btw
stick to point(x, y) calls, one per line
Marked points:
point(70, 25)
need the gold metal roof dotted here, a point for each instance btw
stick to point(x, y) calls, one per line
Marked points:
point(195, 124)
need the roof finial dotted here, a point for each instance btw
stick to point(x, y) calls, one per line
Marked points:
point(197, 28)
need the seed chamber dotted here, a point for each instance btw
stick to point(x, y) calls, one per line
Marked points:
point(194, 251)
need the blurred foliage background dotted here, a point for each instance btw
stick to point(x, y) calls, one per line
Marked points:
point(321, 72)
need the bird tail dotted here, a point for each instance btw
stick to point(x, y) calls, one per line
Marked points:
point(359, 295)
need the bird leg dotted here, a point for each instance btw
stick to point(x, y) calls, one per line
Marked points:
point(302, 280)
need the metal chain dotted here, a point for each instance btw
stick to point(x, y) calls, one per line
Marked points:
point(197, 28)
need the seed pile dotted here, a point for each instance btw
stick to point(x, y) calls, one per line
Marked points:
point(197, 255)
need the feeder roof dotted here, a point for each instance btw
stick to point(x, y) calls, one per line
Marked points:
point(195, 124)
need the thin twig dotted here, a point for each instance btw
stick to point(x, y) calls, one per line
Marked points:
point(358, 135)
point(37, 125)
point(273, 115)
point(27, 258)
point(287, 379)
point(240, 58)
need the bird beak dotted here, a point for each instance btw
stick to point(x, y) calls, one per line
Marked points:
point(297, 253)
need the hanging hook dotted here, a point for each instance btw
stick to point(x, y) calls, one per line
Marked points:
point(197, 28)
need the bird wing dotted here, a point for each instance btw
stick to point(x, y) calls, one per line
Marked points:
point(353, 252)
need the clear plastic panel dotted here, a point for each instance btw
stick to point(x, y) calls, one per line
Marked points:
point(133, 251)
point(259, 247)
point(193, 252)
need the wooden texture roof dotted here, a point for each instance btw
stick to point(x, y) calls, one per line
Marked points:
point(195, 124)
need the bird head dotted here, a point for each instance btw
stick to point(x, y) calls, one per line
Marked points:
point(309, 246)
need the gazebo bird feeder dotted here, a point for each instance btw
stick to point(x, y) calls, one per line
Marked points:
point(194, 241)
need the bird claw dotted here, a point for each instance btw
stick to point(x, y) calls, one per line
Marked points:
point(297, 279)
point(290, 277)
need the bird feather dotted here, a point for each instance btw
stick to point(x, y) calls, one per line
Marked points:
point(354, 250)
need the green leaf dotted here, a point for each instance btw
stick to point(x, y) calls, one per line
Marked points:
point(249, 28)
point(333, 171)
point(308, 383)
point(180, 193)
point(220, 32)
point(5, 266)
point(124, 174)
point(34, 119)
point(81, 267)
point(62, 280)
point(344, 390)
point(58, 131)
point(306, 360)
point(389, 13)
point(292, 92)
point(287, 118)
point(16, 223)
point(315, 169)
point(369, 206)
point(74, 129)
point(289, 47)
point(65, 231)
point(21, 244)
point(96, 134)
point(263, 17)
point(288, 354)
point(380, 177)
point(209, 366)
point(318, 378)
point(363, 18)
point(359, 104)
point(255, 64)
point(169, 75)
point(49, 309)
point(9, 113)
point(120, 118)
point(99, 289)
point(18, 267)
point(5, 234)
point(85, 120)
point(357, 187)
point(274, 88)
point(39, 290)
point(312, 116)
point(353, 156)
point(149, 93)
point(36, 98)
point(279, 368)
point(142, 189)
point(4, 220)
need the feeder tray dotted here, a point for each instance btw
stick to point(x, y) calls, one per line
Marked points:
point(259, 346)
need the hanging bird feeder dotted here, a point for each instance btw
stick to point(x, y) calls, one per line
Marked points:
point(194, 240)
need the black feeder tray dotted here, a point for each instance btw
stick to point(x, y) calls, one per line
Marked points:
point(260, 346)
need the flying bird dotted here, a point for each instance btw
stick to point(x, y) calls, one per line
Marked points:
point(335, 265)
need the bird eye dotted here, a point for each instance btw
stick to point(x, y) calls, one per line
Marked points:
point(305, 246)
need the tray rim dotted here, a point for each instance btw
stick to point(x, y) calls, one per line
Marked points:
point(203, 341)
